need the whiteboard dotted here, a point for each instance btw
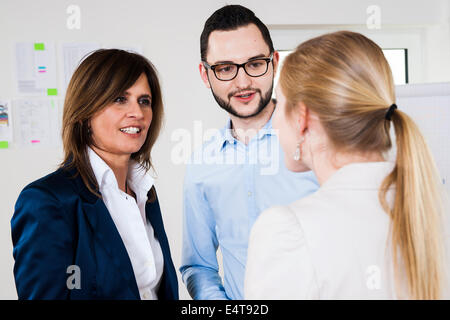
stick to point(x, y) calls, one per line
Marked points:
point(429, 106)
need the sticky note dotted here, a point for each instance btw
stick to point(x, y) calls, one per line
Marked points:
point(52, 92)
point(3, 144)
point(39, 46)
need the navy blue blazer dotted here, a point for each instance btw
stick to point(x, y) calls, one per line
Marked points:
point(59, 223)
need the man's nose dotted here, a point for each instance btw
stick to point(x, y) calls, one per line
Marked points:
point(242, 80)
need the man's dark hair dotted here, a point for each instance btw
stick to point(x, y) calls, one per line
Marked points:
point(230, 18)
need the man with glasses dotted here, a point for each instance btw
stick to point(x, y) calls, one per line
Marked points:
point(226, 191)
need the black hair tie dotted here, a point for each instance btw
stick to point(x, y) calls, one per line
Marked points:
point(390, 111)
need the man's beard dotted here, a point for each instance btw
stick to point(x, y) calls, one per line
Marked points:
point(263, 102)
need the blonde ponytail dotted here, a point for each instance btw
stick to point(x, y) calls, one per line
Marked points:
point(416, 213)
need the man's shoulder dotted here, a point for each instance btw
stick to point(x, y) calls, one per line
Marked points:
point(214, 141)
point(209, 149)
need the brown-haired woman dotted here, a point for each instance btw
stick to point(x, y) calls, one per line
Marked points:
point(374, 228)
point(93, 228)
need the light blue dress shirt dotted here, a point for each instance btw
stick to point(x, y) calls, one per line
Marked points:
point(226, 186)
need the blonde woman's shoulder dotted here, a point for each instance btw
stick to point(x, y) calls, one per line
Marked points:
point(278, 262)
point(274, 218)
point(282, 224)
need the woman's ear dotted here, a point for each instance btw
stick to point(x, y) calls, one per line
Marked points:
point(87, 124)
point(302, 117)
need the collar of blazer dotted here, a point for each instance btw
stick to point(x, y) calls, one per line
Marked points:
point(104, 229)
point(72, 174)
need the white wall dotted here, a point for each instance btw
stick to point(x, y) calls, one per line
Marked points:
point(169, 33)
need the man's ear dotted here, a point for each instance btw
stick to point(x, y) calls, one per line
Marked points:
point(204, 75)
point(275, 60)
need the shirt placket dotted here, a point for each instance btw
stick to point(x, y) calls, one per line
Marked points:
point(250, 170)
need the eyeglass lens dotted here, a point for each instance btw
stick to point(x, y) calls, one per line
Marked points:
point(254, 68)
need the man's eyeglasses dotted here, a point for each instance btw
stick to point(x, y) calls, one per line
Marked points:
point(228, 71)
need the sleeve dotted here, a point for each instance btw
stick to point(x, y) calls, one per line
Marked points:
point(278, 261)
point(199, 267)
point(42, 246)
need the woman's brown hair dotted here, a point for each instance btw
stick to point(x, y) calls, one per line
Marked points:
point(344, 78)
point(99, 79)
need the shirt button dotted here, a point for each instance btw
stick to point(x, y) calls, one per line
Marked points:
point(249, 193)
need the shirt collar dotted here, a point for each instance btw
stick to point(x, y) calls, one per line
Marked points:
point(102, 171)
point(361, 175)
point(138, 179)
point(227, 138)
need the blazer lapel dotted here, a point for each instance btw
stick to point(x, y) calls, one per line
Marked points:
point(107, 234)
point(169, 284)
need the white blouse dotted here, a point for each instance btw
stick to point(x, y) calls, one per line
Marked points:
point(129, 217)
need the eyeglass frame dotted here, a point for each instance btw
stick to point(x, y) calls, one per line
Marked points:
point(239, 65)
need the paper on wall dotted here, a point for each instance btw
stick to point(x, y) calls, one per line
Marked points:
point(6, 124)
point(134, 49)
point(72, 55)
point(36, 68)
point(37, 122)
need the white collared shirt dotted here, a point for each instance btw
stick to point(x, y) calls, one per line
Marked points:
point(129, 217)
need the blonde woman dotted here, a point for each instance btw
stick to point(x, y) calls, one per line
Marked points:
point(373, 229)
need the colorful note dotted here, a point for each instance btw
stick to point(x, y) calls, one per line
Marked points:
point(6, 124)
